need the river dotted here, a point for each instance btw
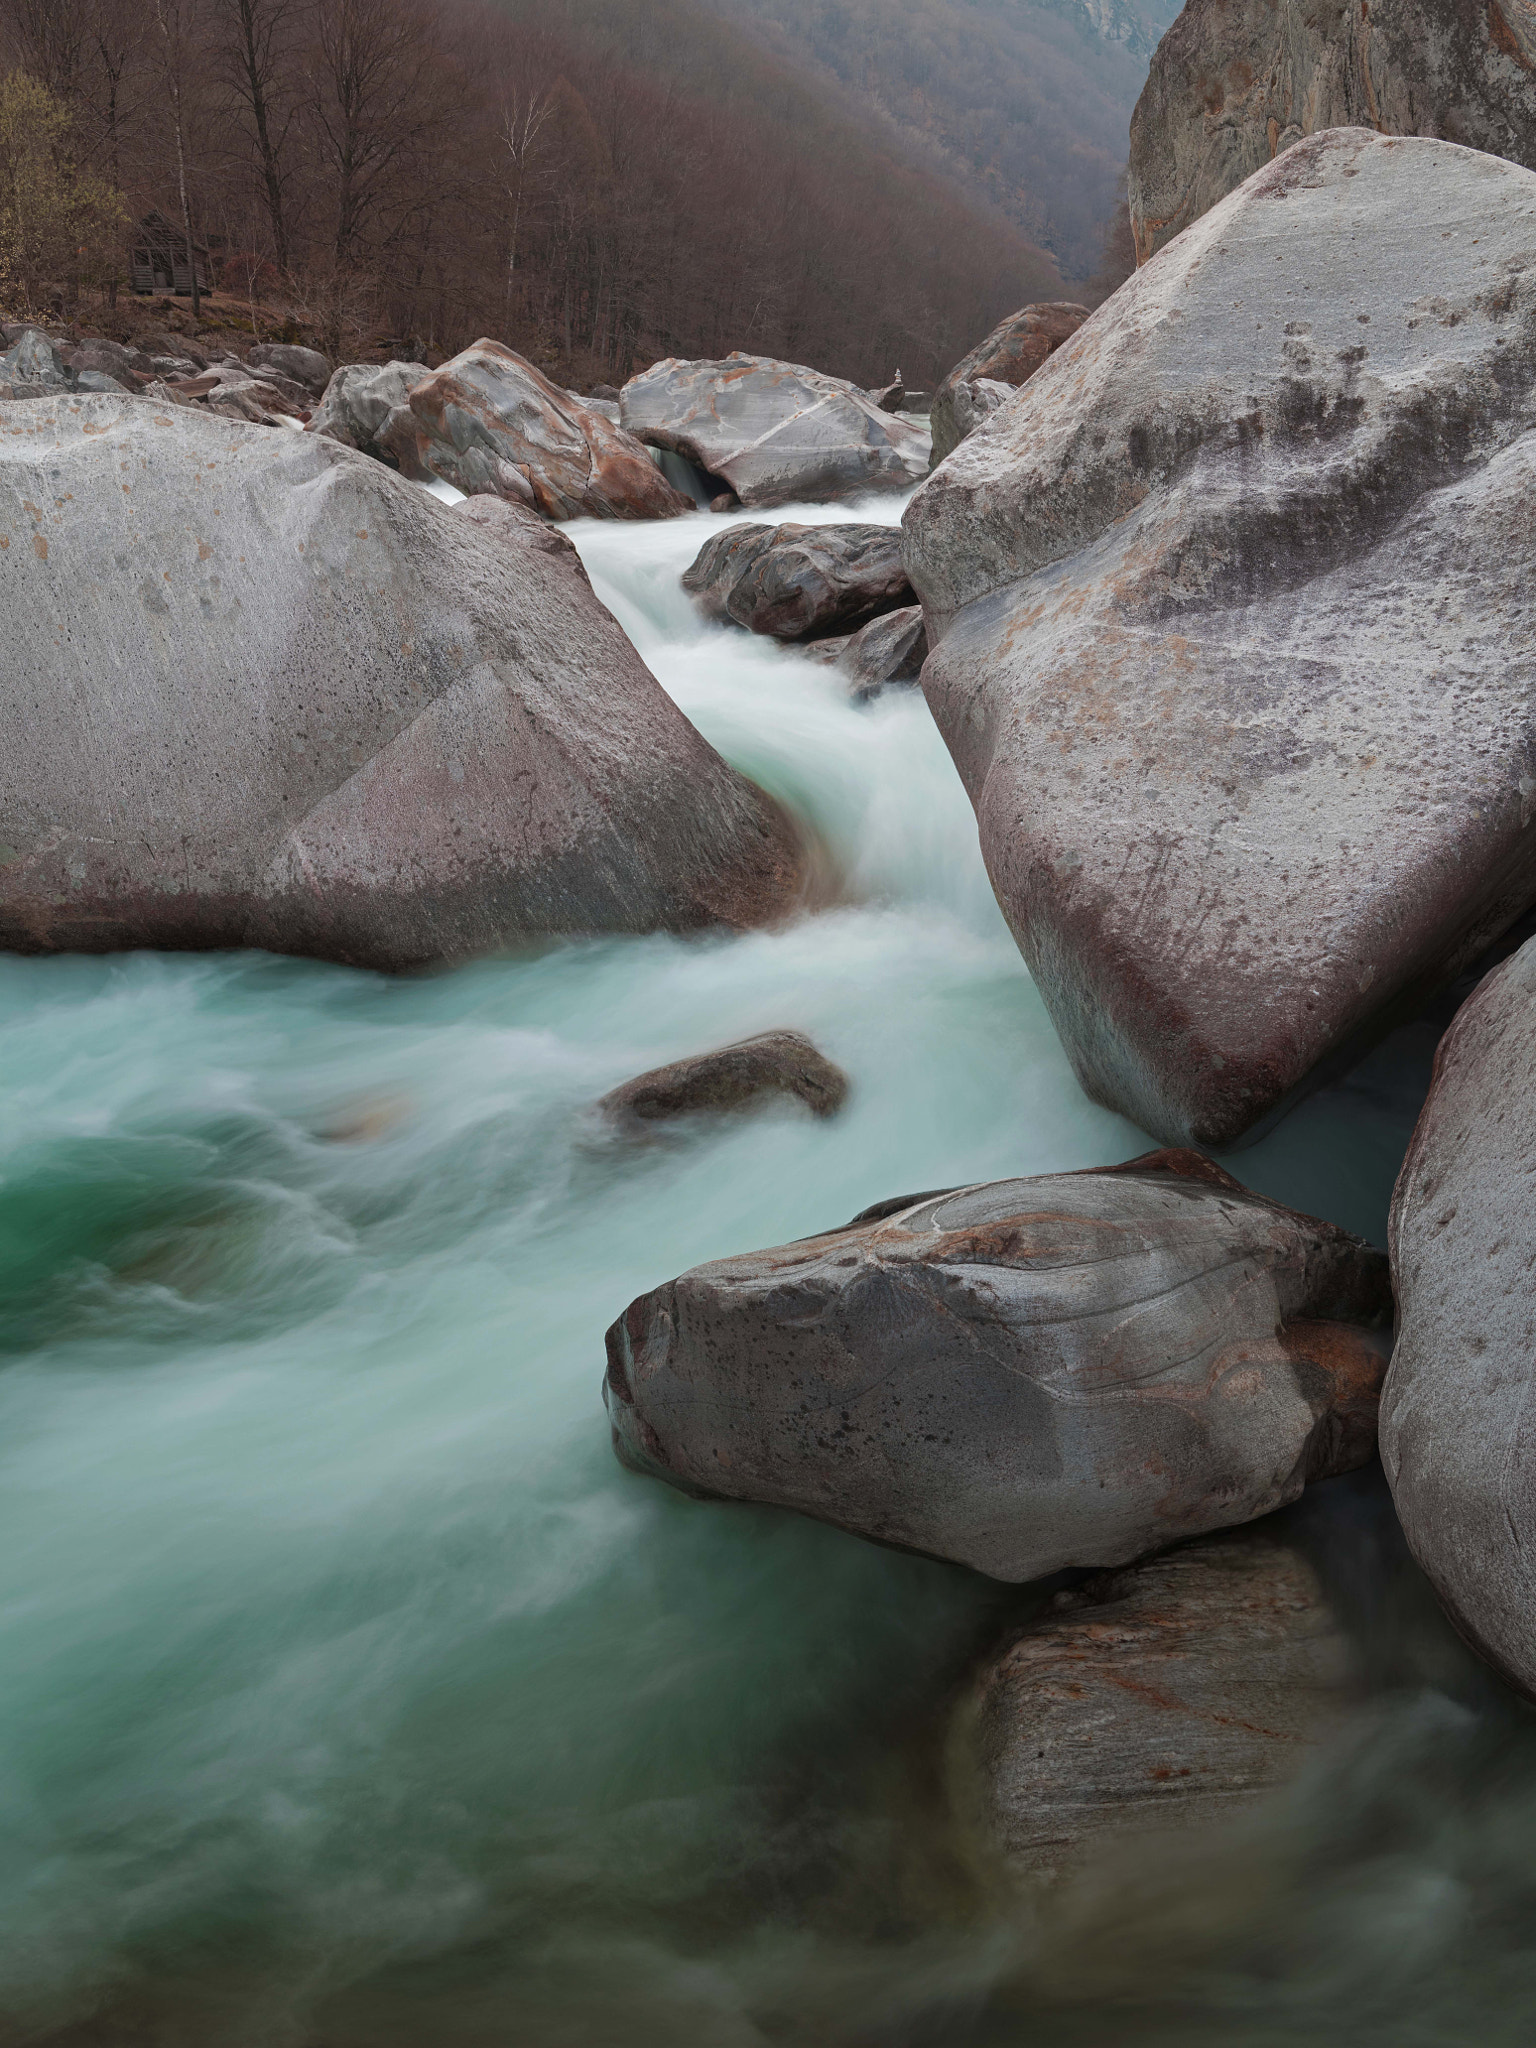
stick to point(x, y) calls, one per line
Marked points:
point(350, 1692)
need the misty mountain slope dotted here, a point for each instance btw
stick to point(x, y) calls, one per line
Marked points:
point(1028, 102)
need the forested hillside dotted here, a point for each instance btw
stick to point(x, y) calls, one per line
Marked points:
point(598, 181)
point(1027, 101)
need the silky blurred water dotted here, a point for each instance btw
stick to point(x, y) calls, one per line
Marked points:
point(350, 1693)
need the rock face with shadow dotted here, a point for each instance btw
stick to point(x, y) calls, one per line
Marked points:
point(1235, 83)
point(1232, 638)
point(488, 421)
point(799, 582)
point(774, 431)
point(1073, 1370)
point(732, 1077)
point(262, 692)
point(1458, 1441)
point(359, 401)
point(995, 368)
point(1168, 1695)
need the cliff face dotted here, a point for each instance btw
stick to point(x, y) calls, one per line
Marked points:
point(1235, 82)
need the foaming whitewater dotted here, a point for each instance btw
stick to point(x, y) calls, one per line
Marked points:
point(350, 1693)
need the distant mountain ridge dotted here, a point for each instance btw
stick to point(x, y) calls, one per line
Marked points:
point(1026, 102)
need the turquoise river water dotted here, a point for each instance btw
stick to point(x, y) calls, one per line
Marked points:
point(351, 1694)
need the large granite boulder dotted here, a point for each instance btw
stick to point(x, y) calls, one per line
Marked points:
point(359, 402)
point(261, 692)
point(489, 421)
point(1009, 356)
point(1167, 1696)
point(798, 582)
point(774, 431)
point(1071, 1370)
point(1457, 1439)
point(1235, 82)
point(730, 1078)
point(1231, 634)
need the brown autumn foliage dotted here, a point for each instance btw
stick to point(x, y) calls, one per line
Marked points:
point(390, 175)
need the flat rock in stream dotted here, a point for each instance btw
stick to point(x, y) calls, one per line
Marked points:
point(489, 421)
point(1232, 635)
point(1457, 1438)
point(1167, 1696)
point(1072, 1370)
point(774, 431)
point(731, 1077)
point(263, 692)
point(799, 582)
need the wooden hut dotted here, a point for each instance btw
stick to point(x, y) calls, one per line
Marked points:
point(159, 260)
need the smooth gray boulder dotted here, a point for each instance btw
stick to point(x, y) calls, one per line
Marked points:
point(303, 366)
point(488, 421)
point(799, 582)
point(1075, 1369)
point(732, 1077)
point(1234, 83)
point(1456, 1434)
point(981, 381)
point(1230, 633)
point(773, 431)
point(358, 402)
point(262, 692)
point(1164, 1697)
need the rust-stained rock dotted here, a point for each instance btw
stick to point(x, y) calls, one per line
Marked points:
point(799, 582)
point(1457, 1438)
point(1235, 83)
point(774, 431)
point(1169, 1695)
point(1232, 636)
point(488, 421)
point(1009, 356)
point(261, 691)
point(1030, 1374)
point(732, 1077)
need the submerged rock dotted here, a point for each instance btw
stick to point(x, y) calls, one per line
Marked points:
point(774, 431)
point(1231, 636)
point(1456, 1437)
point(1069, 1370)
point(731, 1077)
point(359, 402)
point(1235, 83)
point(1170, 1695)
point(264, 693)
point(489, 421)
point(889, 650)
point(799, 582)
point(994, 369)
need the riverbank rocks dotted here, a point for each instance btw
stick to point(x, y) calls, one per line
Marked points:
point(1234, 83)
point(359, 402)
point(1231, 637)
point(489, 421)
point(1069, 1370)
point(1457, 1438)
point(774, 431)
point(732, 1077)
point(799, 582)
point(889, 650)
point(261, 692)
point(1167, 1696)
point(302, 366)
point(993, 370)
point(32, 367)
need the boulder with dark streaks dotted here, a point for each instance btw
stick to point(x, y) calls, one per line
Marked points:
point(799, 582)
point(1030, 1374)
point(1232, 636)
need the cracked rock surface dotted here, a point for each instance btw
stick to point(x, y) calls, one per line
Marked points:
point(1075, 1369)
